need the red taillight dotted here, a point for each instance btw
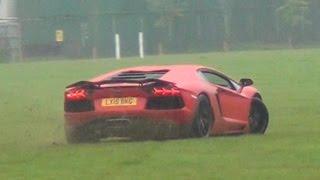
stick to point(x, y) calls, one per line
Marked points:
point(166, 91)
point(76, 95)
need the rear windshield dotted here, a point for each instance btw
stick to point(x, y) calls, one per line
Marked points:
point(139, 75)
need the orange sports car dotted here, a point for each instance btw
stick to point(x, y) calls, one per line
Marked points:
point(162, 101)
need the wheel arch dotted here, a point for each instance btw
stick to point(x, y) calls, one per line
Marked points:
point(213, 109)
point(208, 97)
point(258, 96)
point(261, 104)
point(203, 97)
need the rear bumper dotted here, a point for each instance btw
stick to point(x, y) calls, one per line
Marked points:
point(147, 124)
point(134, 127)
point(137, 119)
point(182, 116)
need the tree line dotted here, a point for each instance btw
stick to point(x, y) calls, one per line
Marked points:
point(169, 26)
point(262, 21)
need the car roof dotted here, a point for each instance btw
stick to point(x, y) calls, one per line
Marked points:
point(175, 72)
point(164, 67)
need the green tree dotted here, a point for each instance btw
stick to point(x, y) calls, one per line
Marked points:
point(168, 11)
point(293, 15)
point(226, 7)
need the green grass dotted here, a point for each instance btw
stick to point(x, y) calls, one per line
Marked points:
point(32, 144)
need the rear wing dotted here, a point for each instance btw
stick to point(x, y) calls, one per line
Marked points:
point(90, 84)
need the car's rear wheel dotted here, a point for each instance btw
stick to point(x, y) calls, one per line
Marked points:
point(202, 123)
point(76, 135)
point(259, 117)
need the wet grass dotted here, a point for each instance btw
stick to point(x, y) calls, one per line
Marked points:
point(32, 144)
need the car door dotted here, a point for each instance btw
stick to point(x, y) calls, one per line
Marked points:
point(233, 106)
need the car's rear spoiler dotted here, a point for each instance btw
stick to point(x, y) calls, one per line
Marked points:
point(97, 84)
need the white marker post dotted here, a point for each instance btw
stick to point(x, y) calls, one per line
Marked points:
point(141, 45)
point(117, 46)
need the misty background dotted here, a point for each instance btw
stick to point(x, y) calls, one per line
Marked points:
point(77, 29)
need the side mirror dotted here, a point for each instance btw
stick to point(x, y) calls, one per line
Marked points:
point(246, 82)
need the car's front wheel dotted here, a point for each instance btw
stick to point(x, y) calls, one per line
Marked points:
point(202, 123)
point(259, 117)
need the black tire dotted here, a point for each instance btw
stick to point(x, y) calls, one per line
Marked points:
point(259, 117)
point(76, 135)
point(203, 120)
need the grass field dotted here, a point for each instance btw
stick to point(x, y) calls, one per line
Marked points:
point(32, 144)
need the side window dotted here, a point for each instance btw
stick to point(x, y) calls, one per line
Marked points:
point(216, 79)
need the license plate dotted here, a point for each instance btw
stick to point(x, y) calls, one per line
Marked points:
point(125, 101)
